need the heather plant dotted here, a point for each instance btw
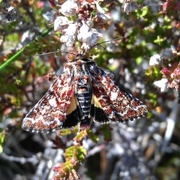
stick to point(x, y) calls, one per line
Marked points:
point(138, 41)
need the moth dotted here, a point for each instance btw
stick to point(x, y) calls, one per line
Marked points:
point(83, 93)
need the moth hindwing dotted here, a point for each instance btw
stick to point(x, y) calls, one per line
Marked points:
point(82, 93)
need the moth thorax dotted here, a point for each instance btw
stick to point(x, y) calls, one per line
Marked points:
point(82, 80)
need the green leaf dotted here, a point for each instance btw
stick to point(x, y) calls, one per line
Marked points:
point(92, 136)
point(2, 137)
point(159, 40)
point(138, 60)
point(106, 130)
point(142, 12)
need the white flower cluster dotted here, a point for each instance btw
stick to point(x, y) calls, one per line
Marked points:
point(156, 60)
point(79, 29)
point(162, 84)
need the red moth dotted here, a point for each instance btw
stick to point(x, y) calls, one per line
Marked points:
point(82, 93)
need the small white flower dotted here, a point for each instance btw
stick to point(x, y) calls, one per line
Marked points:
point(162, 84)
point(88, 36)
point(69, 35)
point(155, 60)
point(85, 33)
point(60, 23)
point(71, 30)
point(69, 8)
point(68, 40)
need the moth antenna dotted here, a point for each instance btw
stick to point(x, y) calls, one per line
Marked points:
point(108, 41)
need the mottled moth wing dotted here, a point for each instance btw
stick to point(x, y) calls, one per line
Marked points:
point(117, 104)
point(83, 92)
point(50, 112)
